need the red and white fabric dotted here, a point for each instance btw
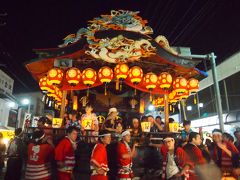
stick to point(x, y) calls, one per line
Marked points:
point(226, 161)
point(180, 157)
point(195, 158)
point(125, 164)
point(99, 161)
point(64, 152)
point(38, 163)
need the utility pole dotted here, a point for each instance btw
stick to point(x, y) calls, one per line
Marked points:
point(212, 58)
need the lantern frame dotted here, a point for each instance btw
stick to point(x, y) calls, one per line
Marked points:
point(89, 76)
point(73, 76)
point(165, 80)
point(55, 76)
point(105, 74)
point(180, 84)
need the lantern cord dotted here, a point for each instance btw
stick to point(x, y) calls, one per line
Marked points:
point(117, 84)
point(195, 99)
point(151, 97)
point(120, 85)
point(135, 90)
point(88, 92)
point(105, 89)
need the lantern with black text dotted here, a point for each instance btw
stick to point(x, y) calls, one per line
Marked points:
point(89, 77)
point(121, 73)
point(73, 76)
point(150, 82)
point(105, 75)
point(55, 76)
point(193, 85)
point(180, 85)
point(135, 75)
point(165, 80)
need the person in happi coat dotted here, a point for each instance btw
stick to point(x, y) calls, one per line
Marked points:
point(194, 153)
point(40, 155)
point(65, 154)
point(175, 161)
point(124, 157)
point(99, 159)
point(223, 153)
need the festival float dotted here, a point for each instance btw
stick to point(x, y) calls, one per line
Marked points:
point(115, 52)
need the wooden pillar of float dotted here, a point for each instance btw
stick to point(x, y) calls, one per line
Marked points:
point(166, 112)
point(63, 103)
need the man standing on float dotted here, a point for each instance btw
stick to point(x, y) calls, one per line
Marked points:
point(99, 162)
point(124, 156)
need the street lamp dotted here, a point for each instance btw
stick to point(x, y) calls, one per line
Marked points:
point(200, 105)
point(26, 101)
point(189, 108)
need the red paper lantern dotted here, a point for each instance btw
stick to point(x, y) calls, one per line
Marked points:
point(150, 80)
point(45, 85)
point(89, 76)
point(172, 96)
point(135, 74)
point(165, 80)
point(193, 85)
point(180, 85)
point(159, 102)
point(121, 71)
point(184, 95)
point(73, 76)
point(105, 74)
point(55, 76)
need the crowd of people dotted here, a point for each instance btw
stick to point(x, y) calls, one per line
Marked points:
point(184, 155)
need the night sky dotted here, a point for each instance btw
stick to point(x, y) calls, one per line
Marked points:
point(204, 25)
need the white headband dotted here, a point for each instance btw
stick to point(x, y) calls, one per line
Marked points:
point(168, 138)
point(104, 134)
point(216, 133)
point(124, 133)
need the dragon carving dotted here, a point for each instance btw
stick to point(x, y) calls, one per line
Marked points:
point(120, 48)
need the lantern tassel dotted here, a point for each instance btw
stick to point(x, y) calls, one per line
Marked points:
point(170, 107)
point(105, 89)
point(88, 92)
point(195, 99)
point(120, 85)
point(135, 91)
point(151, 97)
point(117, 84)
point(173, 109)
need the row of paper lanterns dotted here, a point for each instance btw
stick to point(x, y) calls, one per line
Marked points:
point(105, 74)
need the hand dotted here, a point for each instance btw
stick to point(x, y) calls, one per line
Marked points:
point(221, 145)
point(179, 174)
point(100, 171)
point(135, 144)
point(236, 171)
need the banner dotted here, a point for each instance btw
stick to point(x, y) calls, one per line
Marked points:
point(26, 120)
point(35, 121)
